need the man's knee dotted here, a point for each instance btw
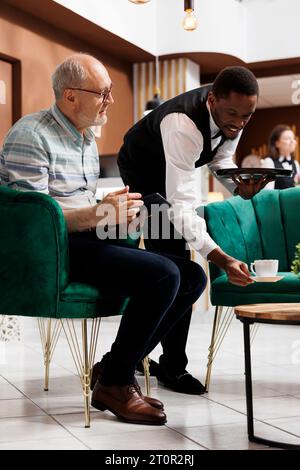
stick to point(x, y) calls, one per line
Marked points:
point(197, 280)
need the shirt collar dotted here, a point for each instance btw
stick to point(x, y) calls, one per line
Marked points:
point(281, 158)
point(70, 129)
point(214, 129)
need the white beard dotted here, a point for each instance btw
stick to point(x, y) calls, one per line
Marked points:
point(87, 122)
point(102, 121)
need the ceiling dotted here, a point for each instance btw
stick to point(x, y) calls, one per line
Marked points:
point(275, 77)
point(279, 91)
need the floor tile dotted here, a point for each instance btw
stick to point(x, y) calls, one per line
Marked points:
point(33, 428)
point(158, 439)
point(18, 407)
point(269, 407)
point(42, 444)
point(235, 436)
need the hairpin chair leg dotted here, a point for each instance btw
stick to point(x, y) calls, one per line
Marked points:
point(218, 313)
point(49, 333)
point(146, 366)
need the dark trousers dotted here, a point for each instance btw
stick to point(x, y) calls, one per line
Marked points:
point(174, 342)
point(161, 290)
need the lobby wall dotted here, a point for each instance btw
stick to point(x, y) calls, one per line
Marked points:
point(40, 48)
point(258, 129)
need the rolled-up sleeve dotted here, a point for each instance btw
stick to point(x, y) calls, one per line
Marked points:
point(183, 144)
point(25, 161)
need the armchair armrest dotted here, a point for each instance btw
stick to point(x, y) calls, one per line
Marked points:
point(33, 253)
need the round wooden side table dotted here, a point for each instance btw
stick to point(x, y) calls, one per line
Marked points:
point(276, 314)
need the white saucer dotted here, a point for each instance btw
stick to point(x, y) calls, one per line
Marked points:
point(266, 278)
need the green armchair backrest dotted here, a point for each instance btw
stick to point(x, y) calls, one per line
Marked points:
point(34, 263)
point(267, 226)
point(33, 253)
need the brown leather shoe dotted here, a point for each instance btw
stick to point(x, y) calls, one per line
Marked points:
point(125, 402)
point(97, 372)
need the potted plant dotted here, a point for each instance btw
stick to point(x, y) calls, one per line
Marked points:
point(295, 268)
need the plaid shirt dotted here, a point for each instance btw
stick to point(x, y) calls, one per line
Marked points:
point(44, 152)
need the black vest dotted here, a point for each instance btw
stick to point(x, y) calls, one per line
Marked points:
point(288, 181)
point(141, 159)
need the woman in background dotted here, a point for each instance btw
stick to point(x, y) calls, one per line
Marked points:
point(281, 148)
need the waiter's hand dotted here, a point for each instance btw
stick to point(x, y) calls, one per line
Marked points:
point(237, 271)
point(247, 188)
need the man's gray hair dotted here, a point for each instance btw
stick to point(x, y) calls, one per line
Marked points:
point(69, 74)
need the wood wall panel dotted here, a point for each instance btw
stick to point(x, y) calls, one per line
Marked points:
point(6, 107)
point(40, 47)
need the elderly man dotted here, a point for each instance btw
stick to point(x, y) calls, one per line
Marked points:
point(54, 152)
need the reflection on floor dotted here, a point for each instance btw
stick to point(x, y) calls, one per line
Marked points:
point(33, 419)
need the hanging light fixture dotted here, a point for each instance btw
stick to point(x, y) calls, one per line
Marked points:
point(156, 100)
point(139, 1)
point(189, 22)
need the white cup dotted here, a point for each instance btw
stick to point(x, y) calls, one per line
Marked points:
point(264, 267)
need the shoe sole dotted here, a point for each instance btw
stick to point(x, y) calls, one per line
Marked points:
point(101, 407)
point(176, 389)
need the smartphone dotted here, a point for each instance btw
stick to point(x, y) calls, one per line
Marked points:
point(155, 198)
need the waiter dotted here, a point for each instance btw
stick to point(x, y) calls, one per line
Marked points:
point(160, 154)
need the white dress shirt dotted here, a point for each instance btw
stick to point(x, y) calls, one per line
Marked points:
point(269, 163)
point(183, 144)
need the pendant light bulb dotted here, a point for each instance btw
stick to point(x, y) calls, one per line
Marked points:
point(139, 2)
point(190, 22)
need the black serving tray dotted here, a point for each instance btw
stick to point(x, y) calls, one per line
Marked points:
point(247, 173)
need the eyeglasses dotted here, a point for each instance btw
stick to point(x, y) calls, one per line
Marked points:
point(102, 94)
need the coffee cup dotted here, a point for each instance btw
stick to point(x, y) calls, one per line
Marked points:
point(264, 267)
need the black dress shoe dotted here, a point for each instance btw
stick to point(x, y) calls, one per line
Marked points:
point(97, 372)
point(180, 382)
point(153, 367)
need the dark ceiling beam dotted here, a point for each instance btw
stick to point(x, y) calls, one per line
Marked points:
point(70, 22)
point(63, 19)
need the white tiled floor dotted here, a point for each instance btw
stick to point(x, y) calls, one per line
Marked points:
point(33, 419)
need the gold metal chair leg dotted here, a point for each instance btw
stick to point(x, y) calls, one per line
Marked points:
point(83, 356)
point(146, 366)
point(218, 312)
point(47, 356)
point(86, 375)
point(220, 328)
point(49, 338)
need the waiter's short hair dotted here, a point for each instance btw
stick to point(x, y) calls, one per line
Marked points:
point(238, 79)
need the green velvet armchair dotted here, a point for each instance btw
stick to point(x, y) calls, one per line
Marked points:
point(265, 227)
point(34, 280)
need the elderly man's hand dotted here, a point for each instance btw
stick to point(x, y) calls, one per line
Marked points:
point(247, 188)
point(119, 207)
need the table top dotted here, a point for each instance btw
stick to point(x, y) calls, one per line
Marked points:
point(282, 312)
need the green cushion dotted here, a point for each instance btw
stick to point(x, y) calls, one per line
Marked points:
point(84, 301)
point(285, 290)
